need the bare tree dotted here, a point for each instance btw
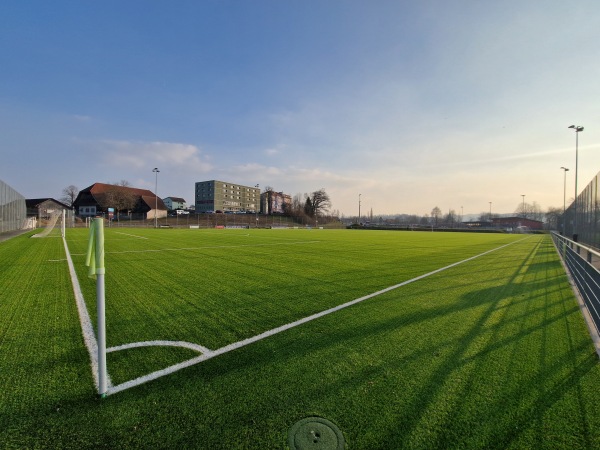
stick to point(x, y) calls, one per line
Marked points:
point(529, 211)
point(69, 194)
point(320, 202)
point(451, 218)
point(308, 207)
point(297, 206)
point(554, 218)
point(435, 214)
point(120, 198)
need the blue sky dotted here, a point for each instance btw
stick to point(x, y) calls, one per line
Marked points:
point(410, 104)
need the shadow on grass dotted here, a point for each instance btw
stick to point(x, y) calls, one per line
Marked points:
point(391, 373)
point(505, 417)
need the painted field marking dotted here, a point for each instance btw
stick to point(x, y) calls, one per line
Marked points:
point(236, 345)
point(132, 235)
point(195, 347)
point(208, 247)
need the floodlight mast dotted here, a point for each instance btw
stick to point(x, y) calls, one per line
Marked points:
point(565, 170)
point(155, 170)
point(359, 208)
point(257, 205)
point(577, 130)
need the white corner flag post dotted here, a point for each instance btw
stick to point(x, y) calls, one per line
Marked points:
point(95, 261)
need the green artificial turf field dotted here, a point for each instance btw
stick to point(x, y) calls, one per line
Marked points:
point(491, 353)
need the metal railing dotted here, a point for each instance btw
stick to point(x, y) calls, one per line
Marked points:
point(582, 263)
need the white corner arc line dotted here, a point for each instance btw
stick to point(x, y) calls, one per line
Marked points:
point(191, 346)
point(234, 346)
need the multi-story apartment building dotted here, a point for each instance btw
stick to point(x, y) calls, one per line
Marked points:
point(215, 195)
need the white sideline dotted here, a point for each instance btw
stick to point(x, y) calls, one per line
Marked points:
point(159, 250)
point(132, 235)
point(211, 354)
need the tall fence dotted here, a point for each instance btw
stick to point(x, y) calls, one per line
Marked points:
point(13, 211)
point(582, 219)
point(582, 263)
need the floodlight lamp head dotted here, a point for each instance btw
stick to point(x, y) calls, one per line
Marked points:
point(572, 126)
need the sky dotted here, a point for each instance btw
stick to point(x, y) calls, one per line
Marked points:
point(404, 105)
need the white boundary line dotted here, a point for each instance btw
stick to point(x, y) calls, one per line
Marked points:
point(211, 354)
point(132, 235)
point(207, 247)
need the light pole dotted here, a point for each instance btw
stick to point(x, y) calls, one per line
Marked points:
point(490, 211)
point(359, 208)
point(257, 205)
point(523, 207)
point(577, 129)
point(565, 170)
point(155, 170)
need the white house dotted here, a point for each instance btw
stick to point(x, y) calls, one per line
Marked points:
point(174, 203)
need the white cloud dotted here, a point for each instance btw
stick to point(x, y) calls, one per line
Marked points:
point(139, 155)
point(254, 169)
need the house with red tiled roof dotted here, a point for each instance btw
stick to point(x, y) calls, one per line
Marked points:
point(109, 200)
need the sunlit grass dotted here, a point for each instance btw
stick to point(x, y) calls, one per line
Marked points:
point(492, 353)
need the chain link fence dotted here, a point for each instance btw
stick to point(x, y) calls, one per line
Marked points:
point(13, 212)
point(581, 220)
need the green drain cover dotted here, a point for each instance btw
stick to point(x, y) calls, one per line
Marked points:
point(315, 433)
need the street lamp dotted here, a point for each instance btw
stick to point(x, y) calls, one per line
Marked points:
point(255, 206)
point(523, 207)
point(577, 129)
point(565, 170)
point(155, 170)
point(359, 208)
point(490, 211)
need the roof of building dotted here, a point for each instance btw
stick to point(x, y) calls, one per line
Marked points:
point(177, 199)
point(99, 191)
point(102, 188)
point(515, 219)
point(35, 202)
